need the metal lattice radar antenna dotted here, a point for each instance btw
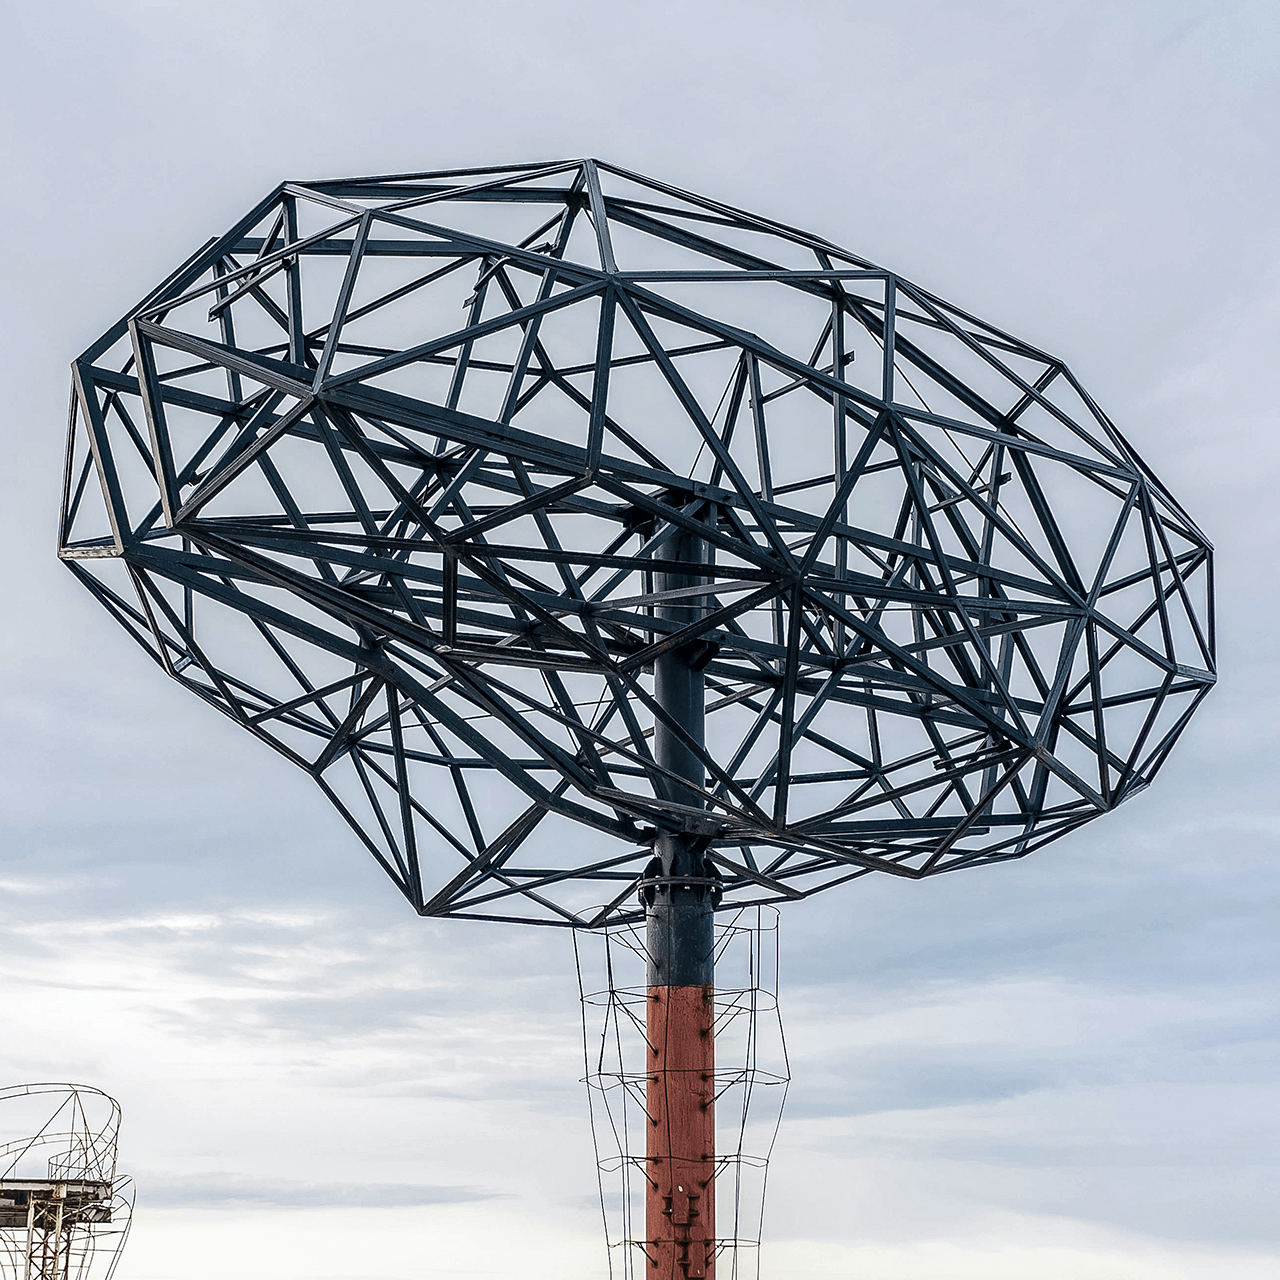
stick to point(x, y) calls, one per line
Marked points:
point(602, 550)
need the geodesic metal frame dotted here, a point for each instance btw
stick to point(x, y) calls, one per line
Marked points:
point(390, 474)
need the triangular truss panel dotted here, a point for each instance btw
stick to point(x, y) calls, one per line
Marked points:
point(390, 474)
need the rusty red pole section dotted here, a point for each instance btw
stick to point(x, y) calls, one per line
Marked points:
point(681, 1150)
point(681, 1208)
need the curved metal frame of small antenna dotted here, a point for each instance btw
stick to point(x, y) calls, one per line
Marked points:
point(94, 1148)
point(75, 1211)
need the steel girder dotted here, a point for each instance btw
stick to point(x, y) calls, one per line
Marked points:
point(385, 474)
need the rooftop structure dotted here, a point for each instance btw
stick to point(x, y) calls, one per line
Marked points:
point(64, 1212)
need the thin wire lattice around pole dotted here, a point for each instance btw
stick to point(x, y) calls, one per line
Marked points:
point(751, 1078)
point(390, 474)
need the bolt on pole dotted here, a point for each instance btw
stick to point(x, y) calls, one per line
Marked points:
point(680, 1147)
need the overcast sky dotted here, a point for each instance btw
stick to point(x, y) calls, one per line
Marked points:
point(1058, 1068)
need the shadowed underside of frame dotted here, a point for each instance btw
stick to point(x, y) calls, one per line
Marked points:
point(390, 472)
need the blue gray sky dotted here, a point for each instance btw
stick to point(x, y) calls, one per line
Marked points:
point(1062, 1067)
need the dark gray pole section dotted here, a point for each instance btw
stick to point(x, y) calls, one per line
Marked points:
point(680, 938)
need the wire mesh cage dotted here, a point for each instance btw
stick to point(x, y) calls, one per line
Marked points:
point(751, 1076)
point(64, 1212)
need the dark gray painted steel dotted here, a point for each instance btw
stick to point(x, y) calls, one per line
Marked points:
point(405, 474)
point(679, 893)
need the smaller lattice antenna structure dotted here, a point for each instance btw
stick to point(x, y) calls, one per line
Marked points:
point(64, 1211)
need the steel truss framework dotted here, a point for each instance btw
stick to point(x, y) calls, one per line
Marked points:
point(749, 1085)
point(64, 1211)
point(387, 474)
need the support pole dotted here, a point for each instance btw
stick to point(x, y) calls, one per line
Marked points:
point(680, 1148)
